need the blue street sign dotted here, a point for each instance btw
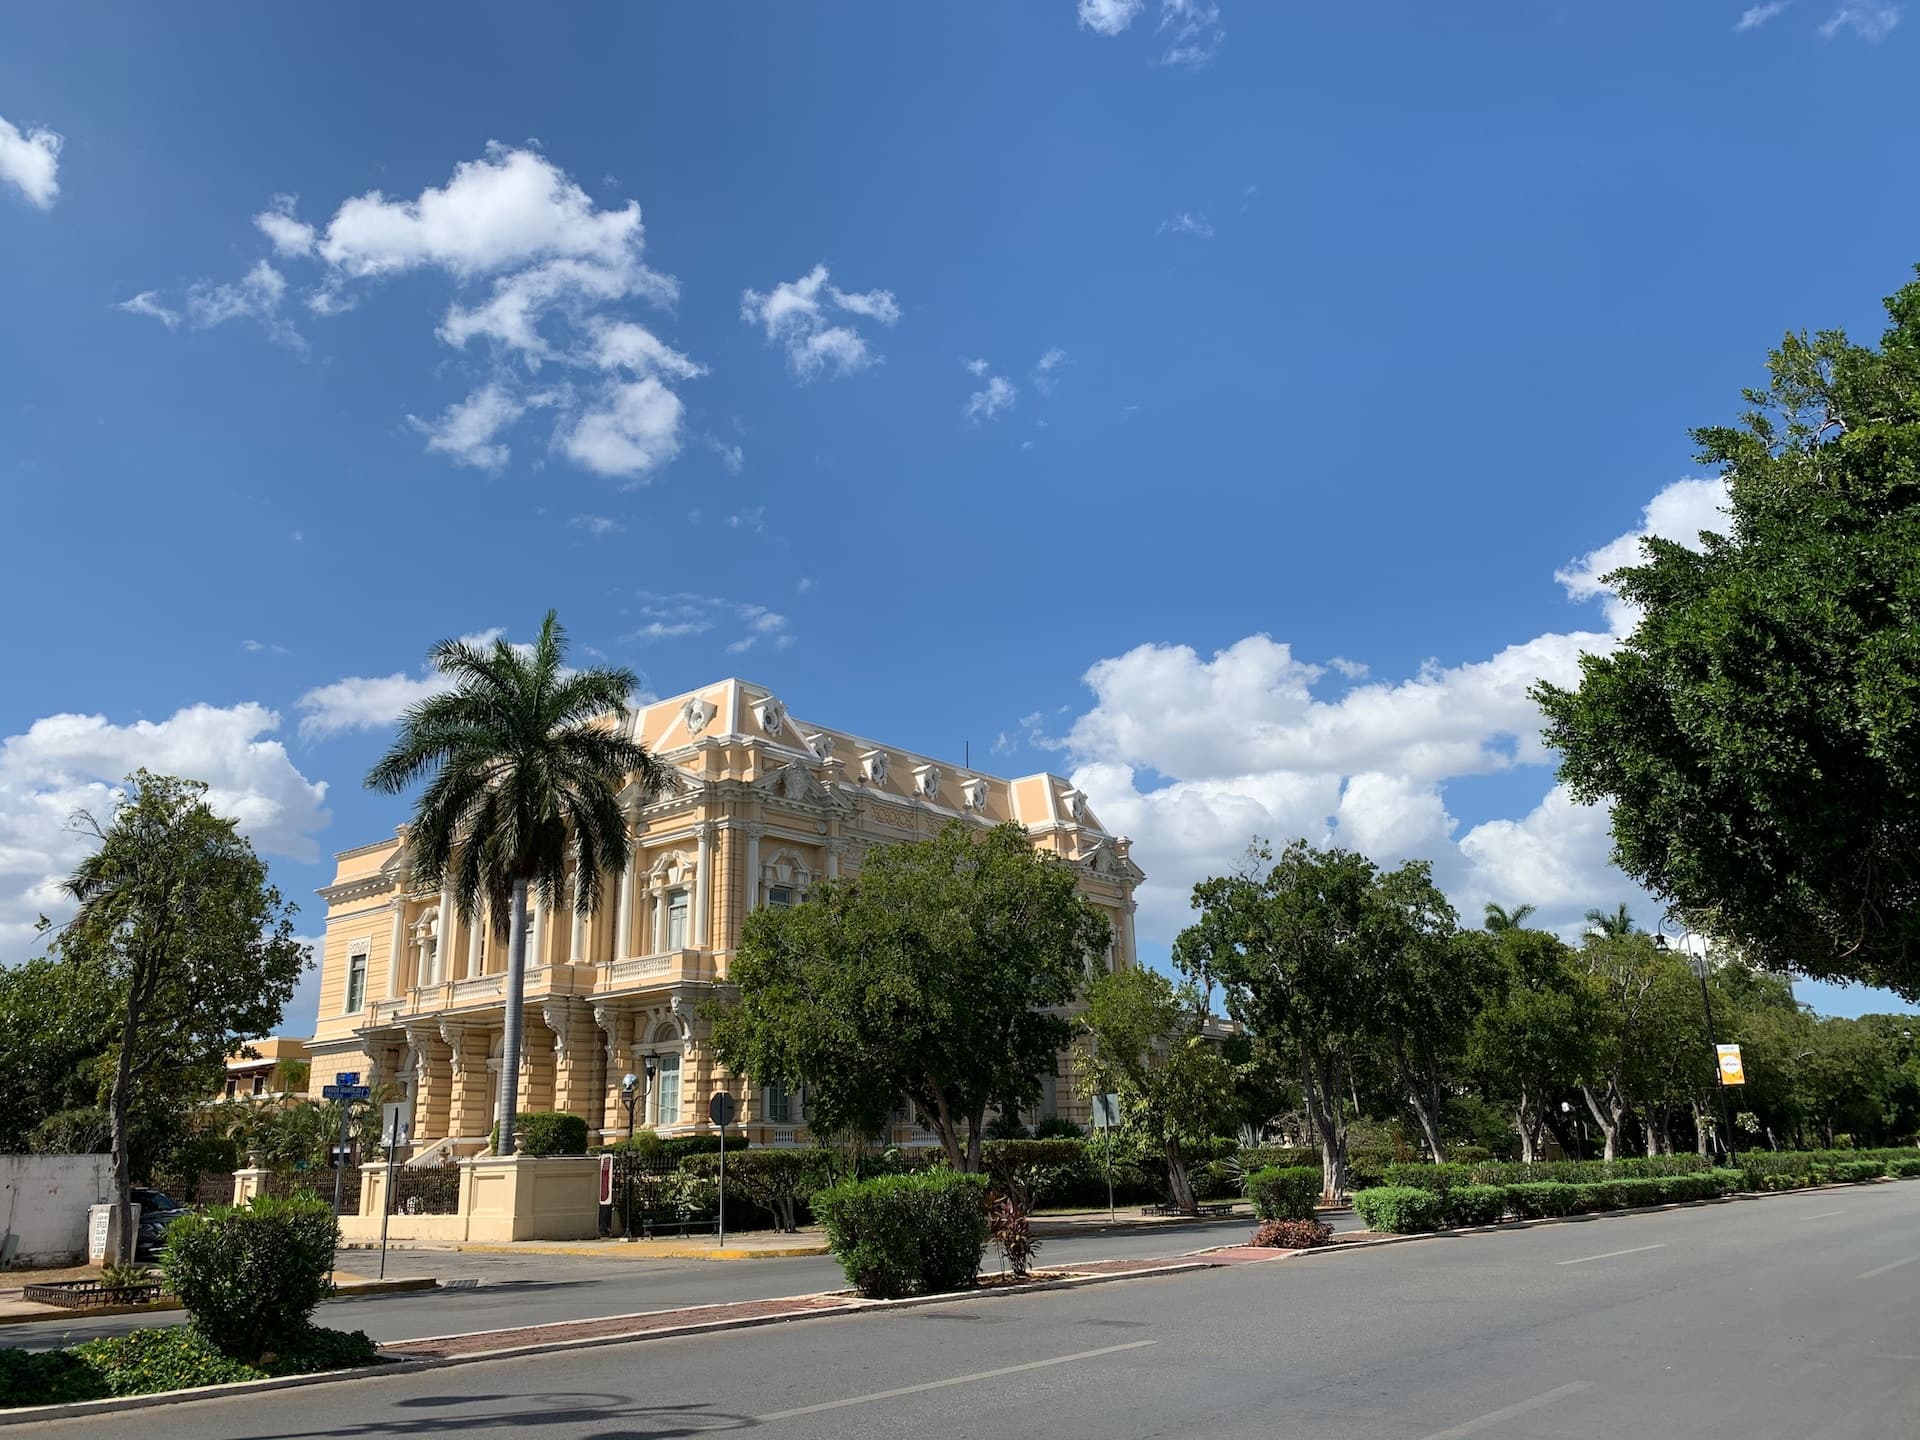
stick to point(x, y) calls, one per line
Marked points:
point(347, 1077)
point(346, 1092)
point(330, 1092)
point(358, 1092)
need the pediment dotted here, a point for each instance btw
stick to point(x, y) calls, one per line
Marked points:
point(796, 781)
point(676, 782)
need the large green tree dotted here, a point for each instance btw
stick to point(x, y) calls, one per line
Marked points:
point(524, 761)
point(179, 926)
point(938, 972)
point(1143, 1039)
point(1758, 734)
point(1533, 1035)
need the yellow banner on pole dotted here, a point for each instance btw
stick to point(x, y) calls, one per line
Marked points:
point(1731, 1071)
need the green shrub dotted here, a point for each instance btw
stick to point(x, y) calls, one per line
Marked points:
point(546, 1132)
point(778, 1181)
point(1278, 1157)
point(1284, 1194)
point(173, 1357)
point(1292, 1234)
point(1398, 1209)
point(1541, 1199)
point(1423, 1175)
point(665, 1153)
point(907, 1234)
point(1058, 1127)
point(1475, 1204)
point(1904, 1169)
point(250, 1276)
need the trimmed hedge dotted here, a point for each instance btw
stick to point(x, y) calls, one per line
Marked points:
point(1284, 1194)
point(1442, 1178)
point(1474, 1204)
point(907, 1234)
point(251, 1276)
point(545, 1132)
point(1398, 1209)
point(172, 1357)
point(1792, 1170)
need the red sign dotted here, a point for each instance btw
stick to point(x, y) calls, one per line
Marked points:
point(606, 1179)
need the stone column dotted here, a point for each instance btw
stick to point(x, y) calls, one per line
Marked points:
point(659, 903)
point(1128, 954)
point(536, 1064)
point(577, 943)
point(623, 904)
point(750, 895)
point(616, 1030)
point(399, 945)
point(703, 887)
point(432, 1085)
point(443, 934)
point(476, 929)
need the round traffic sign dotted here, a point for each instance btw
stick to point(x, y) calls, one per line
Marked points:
point(722, 1109)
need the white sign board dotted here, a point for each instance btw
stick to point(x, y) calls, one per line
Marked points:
point(392, 1111)
point(99, 1221)
point(1106, 1112)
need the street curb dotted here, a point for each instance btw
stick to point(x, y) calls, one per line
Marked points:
point(597, 1251)
point(82, 1409)
point(157, 1307)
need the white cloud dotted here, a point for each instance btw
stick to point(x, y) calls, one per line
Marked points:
point(147, 303)
point(634, 428)
point(803, 316)
point(1679, 512)
point(291, 236)
point(262, 647)
point(1109, 17)
point(1757, 15)
point(731, 456)
point(31, 162)
point(302, 1015)
point(998, 395)
point(804, 584)
point(1871, 20)
point(597, 525)
point(467, 430)
point(1352, 669)
point(1187, 223)
point(681, 614)
point(368, 702)
point(1043, 377)
point(1194, 755)
point(63, 763)
point(1191, 31)
point(753, 520)
point(623, 345)
point(978, 367)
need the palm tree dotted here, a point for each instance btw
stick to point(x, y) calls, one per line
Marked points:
point(524, 772)
point(1619, 923)
point(1500, 919)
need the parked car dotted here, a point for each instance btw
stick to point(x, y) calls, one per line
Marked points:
point(158, 1211)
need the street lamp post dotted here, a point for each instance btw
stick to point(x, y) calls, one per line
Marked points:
point(629, 1096)
point(1672, 926)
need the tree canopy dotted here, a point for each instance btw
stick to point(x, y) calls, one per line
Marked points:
point(1758, 734)
point(937, 973)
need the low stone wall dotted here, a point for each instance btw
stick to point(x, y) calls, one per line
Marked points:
point(43, 1206)
point(502, 1198)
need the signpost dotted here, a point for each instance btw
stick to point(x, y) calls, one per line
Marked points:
point(346, 1088)
point(386, 1196)
point(1106, 1116)
point(721, 1109)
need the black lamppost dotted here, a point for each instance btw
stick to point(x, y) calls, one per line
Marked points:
point(1672, 926)
point(630, 1093)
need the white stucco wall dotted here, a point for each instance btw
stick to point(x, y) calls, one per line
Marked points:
point(43, 1205)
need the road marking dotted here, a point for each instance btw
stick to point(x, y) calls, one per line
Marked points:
point(1824, 1215)
point(956, 1380)
point(1611, 1253)
point(1890, 1265)
point(1518, 1408)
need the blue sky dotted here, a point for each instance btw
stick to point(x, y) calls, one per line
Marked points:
point(1229, 404)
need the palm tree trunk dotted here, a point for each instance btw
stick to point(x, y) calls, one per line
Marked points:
point(509, 1103)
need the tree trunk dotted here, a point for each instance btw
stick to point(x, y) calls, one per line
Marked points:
point(1320, 1087)
point(1179, 1187)
point(119, 1099)
point(1429, 1124)
point(1699, 1131)
point(976, 1124)
point(507, 1110)
point(1606, 1118)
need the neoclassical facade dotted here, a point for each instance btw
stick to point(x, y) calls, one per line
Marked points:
point(757, 807)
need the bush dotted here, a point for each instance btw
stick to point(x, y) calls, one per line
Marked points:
point(1292, 1234)
point(546, 1132)
point(250, 1276)
point(1058, 1127)
point(650, 1149)
point(1287, 1194)
point(778, 1181)
point(1904, 1169)
point(1398, 1209)
point(907, 1234)
point(172, 1357)
point(1475, 1204)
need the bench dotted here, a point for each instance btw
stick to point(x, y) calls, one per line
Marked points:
point(671, 1221)
point(1209, 1211)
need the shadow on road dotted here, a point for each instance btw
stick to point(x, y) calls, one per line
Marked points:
point(627, 1419)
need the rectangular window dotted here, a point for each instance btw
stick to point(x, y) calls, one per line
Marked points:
point(666, 1110)
point(780, 895)
point(356, 982)
point(779, 1105)
point(259, 1084)
point(232, 1088)
point(677, 920)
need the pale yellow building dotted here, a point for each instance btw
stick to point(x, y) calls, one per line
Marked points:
point(758, 806)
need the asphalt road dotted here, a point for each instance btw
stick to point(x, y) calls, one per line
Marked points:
point(504, 1290)
point(1795, 1317)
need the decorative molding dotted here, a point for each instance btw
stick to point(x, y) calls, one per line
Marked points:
point(794, 781)
point(973, 794)
point(926, 781)
point(896, 817)
point(557, 1011)
point(1075, 802)
point(698, 714)
point(821, 744)
point(873, 767)
point(676, 1011)
point(770, 715)
point(785, 869)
